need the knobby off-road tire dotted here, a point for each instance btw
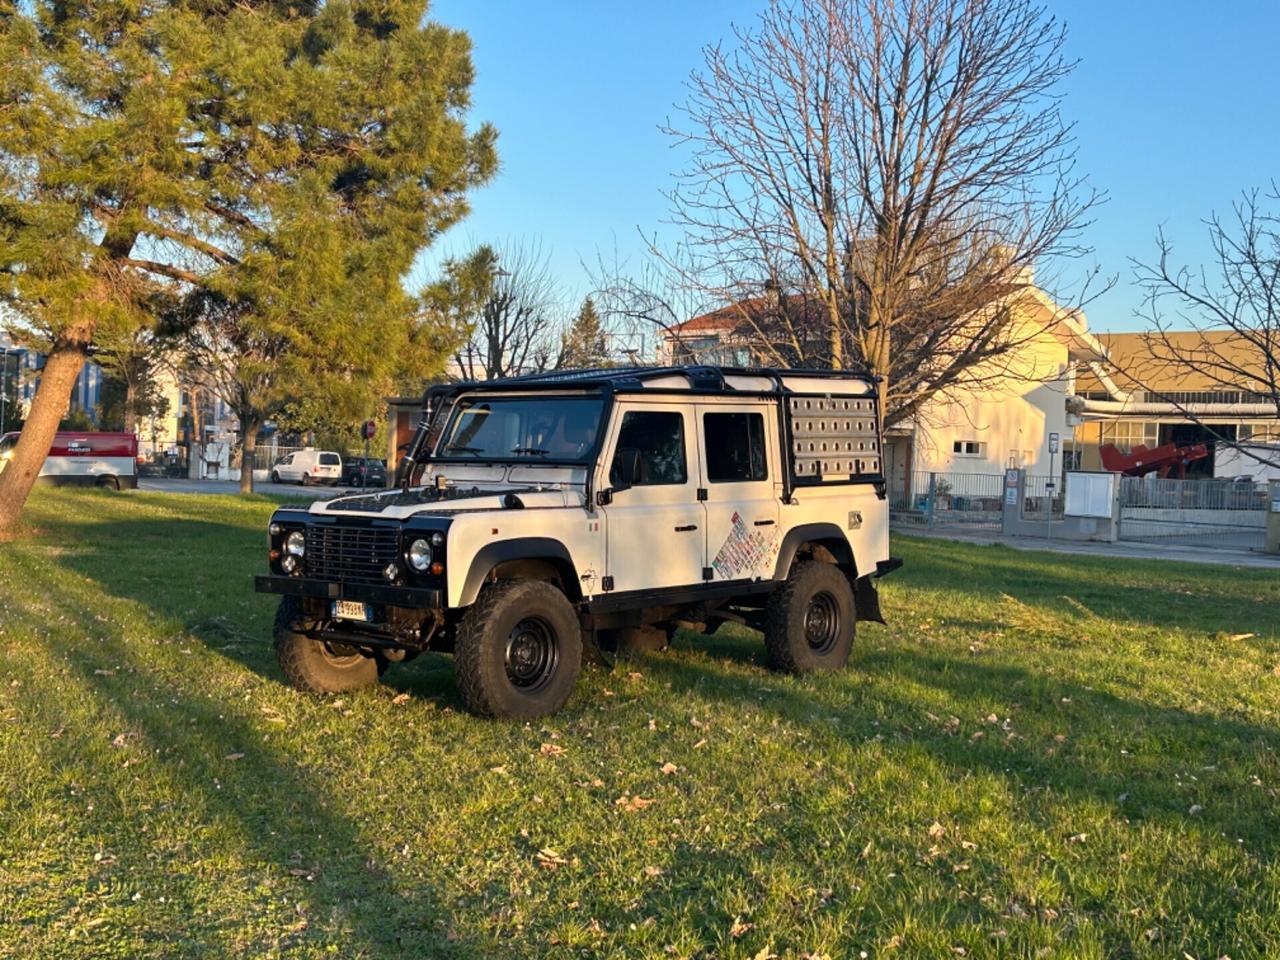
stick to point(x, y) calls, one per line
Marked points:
point(810, 619)
point(518, 651)
point(313, 665)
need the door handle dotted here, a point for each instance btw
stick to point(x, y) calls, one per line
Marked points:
point(692, 526)
point(764, 523)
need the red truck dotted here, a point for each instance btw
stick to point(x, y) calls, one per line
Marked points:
point(86, 458)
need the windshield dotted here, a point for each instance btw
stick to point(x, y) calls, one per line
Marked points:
point(522, 428)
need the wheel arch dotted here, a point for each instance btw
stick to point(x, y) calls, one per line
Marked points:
point(534, 558)
point(816, 539)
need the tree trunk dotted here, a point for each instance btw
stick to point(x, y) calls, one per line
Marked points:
point(130, 399)
point(48, 407)
point(248, 447)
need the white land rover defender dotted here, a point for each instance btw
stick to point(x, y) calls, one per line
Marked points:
point(541, 513)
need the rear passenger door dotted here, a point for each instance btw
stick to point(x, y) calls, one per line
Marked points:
point(738, 455)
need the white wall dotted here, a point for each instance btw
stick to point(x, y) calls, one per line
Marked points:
point(1238, 462)
point(1014, 419)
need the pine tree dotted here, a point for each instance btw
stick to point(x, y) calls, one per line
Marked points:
point(584, 346)
point(284, 160)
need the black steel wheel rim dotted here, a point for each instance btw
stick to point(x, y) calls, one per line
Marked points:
point(532, 654)
point(822, 622)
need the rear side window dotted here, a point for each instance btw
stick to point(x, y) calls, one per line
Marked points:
point(735, 447)
point(659, 437)
point(329, 459)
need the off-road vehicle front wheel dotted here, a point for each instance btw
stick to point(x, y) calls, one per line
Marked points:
point(809, 623)
point(317, 666)
point(518, 651)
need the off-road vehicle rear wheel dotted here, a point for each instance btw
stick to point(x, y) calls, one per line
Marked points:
point(317, 666)
point(518, 651)
point(809, 623)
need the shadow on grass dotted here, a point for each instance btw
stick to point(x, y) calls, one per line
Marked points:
point(284, 822)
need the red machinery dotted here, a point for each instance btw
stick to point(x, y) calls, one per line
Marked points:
point(1166, 459)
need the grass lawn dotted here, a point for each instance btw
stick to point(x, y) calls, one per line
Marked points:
point(1040, 756)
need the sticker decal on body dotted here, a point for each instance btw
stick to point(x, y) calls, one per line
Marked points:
point(745, 552)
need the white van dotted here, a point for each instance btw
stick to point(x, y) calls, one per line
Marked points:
point(308, 466)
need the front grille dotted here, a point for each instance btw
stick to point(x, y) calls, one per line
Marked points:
point(348, 553)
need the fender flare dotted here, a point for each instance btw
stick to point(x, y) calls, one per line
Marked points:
point(519, 548)
point(831, 536)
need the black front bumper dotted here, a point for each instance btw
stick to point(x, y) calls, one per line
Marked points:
point(413, 598)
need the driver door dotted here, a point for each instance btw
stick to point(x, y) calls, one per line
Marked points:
point(654, 529)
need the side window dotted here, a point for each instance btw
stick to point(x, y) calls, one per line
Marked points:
point(659, 438)
point(735, 447)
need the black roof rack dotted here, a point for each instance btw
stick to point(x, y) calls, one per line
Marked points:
point(701, 378)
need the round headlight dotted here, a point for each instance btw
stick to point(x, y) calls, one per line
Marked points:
point(420, 555)
point(275, 529)
point(437, 539)
point(295, 543)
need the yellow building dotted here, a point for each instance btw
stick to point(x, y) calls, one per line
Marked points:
point(1182, 388)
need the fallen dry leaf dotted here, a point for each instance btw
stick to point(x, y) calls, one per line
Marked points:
point(632, 804)
point(119, 741)
point(668, 768)
point(738, 928)
point(551, 750)
point(497, 769)
point(234, 756)
point(937, 831)
point(549, 859)
point(400, 698)
point(653, 871)
point(700, 744)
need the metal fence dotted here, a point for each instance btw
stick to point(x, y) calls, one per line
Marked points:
point(1043, 499)
point(1224, 514)
point(928, 499)
point(264, 458)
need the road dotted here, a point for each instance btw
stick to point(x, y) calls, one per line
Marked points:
point(229, 487)
point(1128, 549)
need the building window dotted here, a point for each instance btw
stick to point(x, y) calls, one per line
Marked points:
point(1127, 434)
point(1071, 456)
point(967, 448)
point(1263, 432)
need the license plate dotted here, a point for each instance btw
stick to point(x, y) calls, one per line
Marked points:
point(350, 610)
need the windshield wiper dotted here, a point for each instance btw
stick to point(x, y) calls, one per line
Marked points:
point(453, 448)
point(532, 451)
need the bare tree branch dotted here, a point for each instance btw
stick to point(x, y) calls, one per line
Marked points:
point(872, 182)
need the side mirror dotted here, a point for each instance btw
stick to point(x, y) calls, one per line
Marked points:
point(625, 472)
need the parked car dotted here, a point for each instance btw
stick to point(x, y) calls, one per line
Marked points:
point(88, 459)
point(364, 472)
point(548, 513)
point(307, 467)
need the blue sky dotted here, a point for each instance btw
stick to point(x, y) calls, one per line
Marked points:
point(1174, 101)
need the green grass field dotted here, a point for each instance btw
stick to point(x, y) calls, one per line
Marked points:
point(1040, 756)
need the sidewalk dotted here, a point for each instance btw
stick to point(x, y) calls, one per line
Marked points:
point(1123, 549)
